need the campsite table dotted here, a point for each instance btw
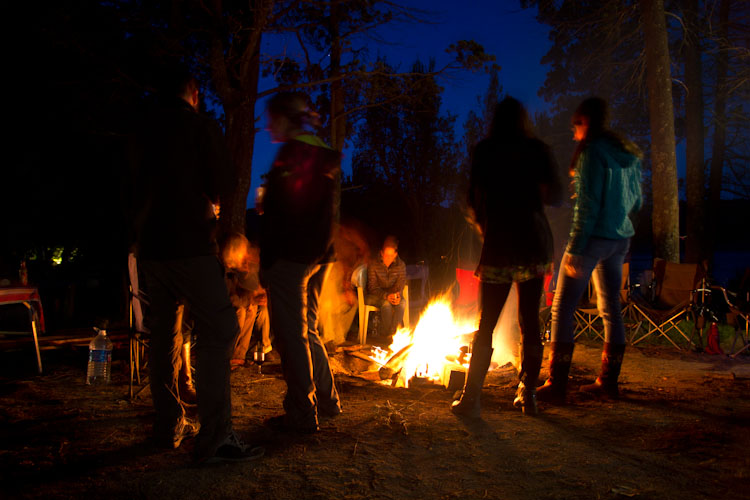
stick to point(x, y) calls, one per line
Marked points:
point(29, 297)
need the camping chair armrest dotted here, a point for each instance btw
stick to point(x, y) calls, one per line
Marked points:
point(726, 294)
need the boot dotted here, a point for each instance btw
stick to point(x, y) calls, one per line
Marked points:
point(553, 390)
point(606, 382)
point(185, 381)
point(531, 361)
point(469, 404)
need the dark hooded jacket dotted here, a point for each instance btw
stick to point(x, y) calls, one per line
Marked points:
point(300, 204)
point(510, 182)
point(182, 167)
point(608, 190)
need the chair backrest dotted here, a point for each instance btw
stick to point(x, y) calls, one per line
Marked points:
point(421, 273)
point(675, 282)
point(136, 295)
point(359, 276)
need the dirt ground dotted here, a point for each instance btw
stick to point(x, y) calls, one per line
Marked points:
point(679, 432)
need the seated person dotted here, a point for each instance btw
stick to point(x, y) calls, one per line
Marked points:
point(247, 296)
point(386, 278)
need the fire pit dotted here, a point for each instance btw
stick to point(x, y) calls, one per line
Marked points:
point(436, 352)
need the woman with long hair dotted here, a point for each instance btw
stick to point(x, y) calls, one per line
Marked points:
point(607, 177)
point(300, 208)
point(513, 175)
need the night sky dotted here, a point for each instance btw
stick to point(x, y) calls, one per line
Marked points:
point(505, 30)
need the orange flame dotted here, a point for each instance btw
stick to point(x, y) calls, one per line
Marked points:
point(437, 340)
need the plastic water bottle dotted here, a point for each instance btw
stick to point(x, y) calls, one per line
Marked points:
point(100, 359)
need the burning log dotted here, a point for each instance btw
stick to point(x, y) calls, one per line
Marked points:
point(393, 366)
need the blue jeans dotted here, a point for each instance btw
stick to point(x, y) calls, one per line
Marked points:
point(390, 316)
point(603, 258)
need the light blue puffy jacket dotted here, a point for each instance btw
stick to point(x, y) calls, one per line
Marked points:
point(608, 191)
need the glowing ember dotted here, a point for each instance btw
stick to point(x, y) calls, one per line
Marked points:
point(435, 345)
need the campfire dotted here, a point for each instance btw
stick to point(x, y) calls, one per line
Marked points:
point(437, 350)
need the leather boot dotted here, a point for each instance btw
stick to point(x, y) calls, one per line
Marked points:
point(531, 361)
point(469, 404)
point(553, 390)
point(185, 380)
point(606, 382)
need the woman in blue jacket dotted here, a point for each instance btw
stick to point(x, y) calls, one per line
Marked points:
point(607, 176)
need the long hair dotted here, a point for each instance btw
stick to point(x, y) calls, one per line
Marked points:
point(510, 121)
point(295, 106)
point(595, 109)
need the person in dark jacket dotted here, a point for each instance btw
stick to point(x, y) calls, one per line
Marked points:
point(182, 168)
point(513, 175)
point(300, 210)
point(386, 279)
point(607, 177)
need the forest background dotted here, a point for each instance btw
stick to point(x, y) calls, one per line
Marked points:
point(676, 74)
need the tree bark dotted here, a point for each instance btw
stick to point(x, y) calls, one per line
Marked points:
point(665, 216)
point(236, 81)
point(695, 247)
point(720, 124)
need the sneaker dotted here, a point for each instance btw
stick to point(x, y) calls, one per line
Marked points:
point(186, 428)
point(234, 450)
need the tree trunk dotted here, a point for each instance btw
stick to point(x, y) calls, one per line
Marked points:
point(240, 141)
point(720, 105)
point(695, 247)
point(665, 216)
point(236, 80)
point(338, 119)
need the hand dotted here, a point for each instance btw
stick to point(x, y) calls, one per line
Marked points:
point(259, 195)
point(394, 298)
point(573, 265)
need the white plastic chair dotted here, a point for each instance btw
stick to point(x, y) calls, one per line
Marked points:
point(359, 280)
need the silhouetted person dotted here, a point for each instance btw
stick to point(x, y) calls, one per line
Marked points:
point(182, 169)
point(607, 174)
point(513, 175)
point(300, 208)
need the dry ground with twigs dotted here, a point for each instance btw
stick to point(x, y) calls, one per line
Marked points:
point(680, 432)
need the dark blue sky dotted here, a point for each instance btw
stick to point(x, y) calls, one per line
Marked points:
point(502, 27)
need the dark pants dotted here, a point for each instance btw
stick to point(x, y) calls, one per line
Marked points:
point(390, 316)
point(198, 283)
point(493, 299)
point(293, 292)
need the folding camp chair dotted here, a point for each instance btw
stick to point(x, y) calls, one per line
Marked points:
point(418, 280)
point(739, 313)
point(587, 313)
point(29, 298)
point(675, 284)
point(138, 333)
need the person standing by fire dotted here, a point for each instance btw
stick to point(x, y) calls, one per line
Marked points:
point(182, 167)
point(299, 209)
point(513, 175)
point(607, 176)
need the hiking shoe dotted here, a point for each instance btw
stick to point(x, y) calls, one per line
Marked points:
point(234, 450)
point(185, 428)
